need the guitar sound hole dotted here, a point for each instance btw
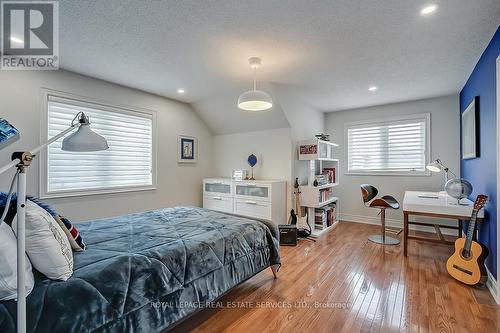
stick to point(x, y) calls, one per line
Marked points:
point(464, 254)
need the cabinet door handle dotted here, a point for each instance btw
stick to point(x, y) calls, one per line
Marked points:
point(217, 198)
point(251, 202)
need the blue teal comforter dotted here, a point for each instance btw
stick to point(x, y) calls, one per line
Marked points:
point(144, 272)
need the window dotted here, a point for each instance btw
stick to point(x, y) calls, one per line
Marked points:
point(390, 146)
point(128, 164)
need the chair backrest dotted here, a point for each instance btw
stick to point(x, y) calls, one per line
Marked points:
point(368, 192)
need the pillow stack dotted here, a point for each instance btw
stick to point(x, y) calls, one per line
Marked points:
point(50, 239)
point(47, 245)
point(8, 265)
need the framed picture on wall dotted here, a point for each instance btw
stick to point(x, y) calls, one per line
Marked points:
point(187, 149)
point(470, 130)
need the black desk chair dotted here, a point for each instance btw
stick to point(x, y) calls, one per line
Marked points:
point(369, 193)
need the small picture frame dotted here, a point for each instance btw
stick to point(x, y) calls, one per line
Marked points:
point(470, 130)
point(187, 149)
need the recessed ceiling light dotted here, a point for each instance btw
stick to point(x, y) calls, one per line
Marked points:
point(181, 91)
point(372, 88)
point(17, 40)
point(428, 10)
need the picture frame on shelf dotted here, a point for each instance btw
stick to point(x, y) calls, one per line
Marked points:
point(470, 130)
point(187, 149)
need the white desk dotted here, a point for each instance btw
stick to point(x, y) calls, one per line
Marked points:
point(436, 205)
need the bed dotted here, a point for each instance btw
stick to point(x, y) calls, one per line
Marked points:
point(145, 272)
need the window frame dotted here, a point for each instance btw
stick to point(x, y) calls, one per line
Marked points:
point(45, 93)
point(426, 117)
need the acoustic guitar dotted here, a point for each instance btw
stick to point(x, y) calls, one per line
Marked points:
point(467, 263)
point(296, 218)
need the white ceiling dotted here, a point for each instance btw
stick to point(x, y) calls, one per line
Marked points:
point(326, 52)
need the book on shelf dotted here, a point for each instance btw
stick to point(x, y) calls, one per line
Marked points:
point(330, 175)
point(325, 194)
point(325, 217)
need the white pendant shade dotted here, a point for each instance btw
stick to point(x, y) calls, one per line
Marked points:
point(255, 100)
point(84, 139)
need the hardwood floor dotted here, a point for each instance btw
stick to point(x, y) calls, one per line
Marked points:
point(344, 283)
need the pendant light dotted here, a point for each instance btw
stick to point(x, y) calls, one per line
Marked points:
point(255, 100)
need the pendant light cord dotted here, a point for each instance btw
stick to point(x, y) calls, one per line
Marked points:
point(254, 78)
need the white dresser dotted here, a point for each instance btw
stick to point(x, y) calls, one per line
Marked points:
point(261, 199)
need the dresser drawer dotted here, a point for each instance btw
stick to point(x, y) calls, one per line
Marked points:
point(252, 191)
point(217, 187)
point(219, 203)
point(253, 208)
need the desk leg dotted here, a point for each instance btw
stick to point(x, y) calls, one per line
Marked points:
point(459, 228)
point(405, 234)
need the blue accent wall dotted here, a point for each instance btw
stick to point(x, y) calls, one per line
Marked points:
point(481, 171)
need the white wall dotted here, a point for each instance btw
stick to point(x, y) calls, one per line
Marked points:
point(273, 149)
point(445, 144)
point(177, 184)
point(305, 122)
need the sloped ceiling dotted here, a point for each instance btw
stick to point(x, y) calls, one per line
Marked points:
point(327, 52)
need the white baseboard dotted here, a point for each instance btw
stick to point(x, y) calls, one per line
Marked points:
point(492, 286)
point(391, 223)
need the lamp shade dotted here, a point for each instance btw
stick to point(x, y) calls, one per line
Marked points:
point(84, 139)
point(435, 166)
point(255, 100)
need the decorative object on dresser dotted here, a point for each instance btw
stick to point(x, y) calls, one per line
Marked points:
point(252, 161)
point(470, 130)
point(240, 175)
point(260, 199)
point(187, 149)
point(322, 177)
point(8, 133)
point(467, 262)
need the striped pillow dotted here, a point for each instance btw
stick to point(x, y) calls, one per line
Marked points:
point(75, 240)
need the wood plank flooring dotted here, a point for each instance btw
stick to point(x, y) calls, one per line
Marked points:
point(344, 283)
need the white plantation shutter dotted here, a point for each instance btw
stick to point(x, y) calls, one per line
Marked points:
point(389, 146)
point(128, 163)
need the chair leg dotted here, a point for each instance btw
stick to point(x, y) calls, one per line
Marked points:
point(382, 220)
point(382, 238)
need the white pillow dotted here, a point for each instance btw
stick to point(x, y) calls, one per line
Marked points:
point(46, 243)
point(8, 265)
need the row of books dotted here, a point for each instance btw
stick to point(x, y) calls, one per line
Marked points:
point(330, 175)
point(325, 216)
point(325, 194)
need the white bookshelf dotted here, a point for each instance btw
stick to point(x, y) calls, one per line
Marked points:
point(319, 154)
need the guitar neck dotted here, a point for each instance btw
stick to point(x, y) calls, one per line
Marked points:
point(470, 231)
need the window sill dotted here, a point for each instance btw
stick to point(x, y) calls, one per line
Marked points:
point(388, 173)
point(68, 194)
